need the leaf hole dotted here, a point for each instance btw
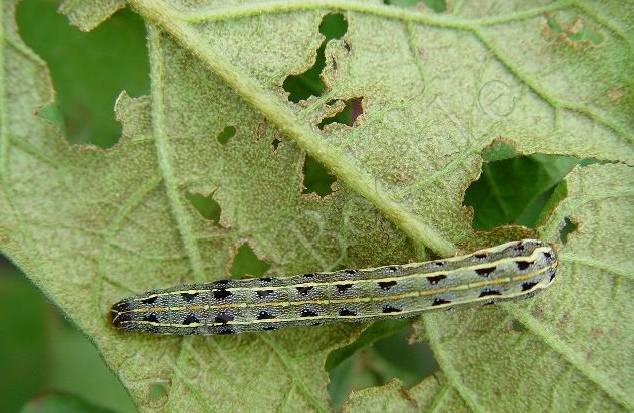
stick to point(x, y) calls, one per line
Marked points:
point(85, 92)
point(353, 108)
point(515, 325)
point(309, 83)
point(206, 206)
point(381, 353)
point(246, 263)
point(157, 391)
point(575, 32)
point(515, 189)
point(227, 133)
point(317, 179)
point(568, 228)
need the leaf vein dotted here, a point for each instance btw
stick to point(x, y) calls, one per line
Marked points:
point(453, 375)
point(594, 263)
point(164, 155)
point(549, 337)
point(288, 366)
point(543, 94)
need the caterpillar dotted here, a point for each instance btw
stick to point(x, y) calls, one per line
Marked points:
point(506, 271)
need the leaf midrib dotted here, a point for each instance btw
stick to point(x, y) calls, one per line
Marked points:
point(288, 123)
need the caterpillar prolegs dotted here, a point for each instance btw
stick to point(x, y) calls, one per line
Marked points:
point(506, 271)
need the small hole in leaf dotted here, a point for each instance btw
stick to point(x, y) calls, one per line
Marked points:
point(333, 26)
point(157, 391)
point(554, 25)
point(515, 325)
point(575, 31)
point(381, 353)
point(317, 179)
point(206, 206)
point(567, 229)
point(516, 190)
point(304, 85)
point(275, 143)
point(226, 134)
point(247, 264)
point(439, 6)
point(348, 115)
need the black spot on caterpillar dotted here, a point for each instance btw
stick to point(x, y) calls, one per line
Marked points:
point(189, 296)
point(304, 290)
point(263, 293)
point(151, 318)
point(552, 276)
point(436, 278)
point(221, 293)
point(508, 271)
point(224, 317)
point(528, 285)
point(440, 301)
point(307, 312)
point(149, 300)
point(522, 265)
point(191, 319)
point(226, 330)
point(389, 309)
point(344, 312)
point(342, 288)
point(386, 285)
point(489, 292)
point(485, 272)
point(265, 315)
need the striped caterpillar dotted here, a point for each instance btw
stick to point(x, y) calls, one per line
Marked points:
point(506, 271)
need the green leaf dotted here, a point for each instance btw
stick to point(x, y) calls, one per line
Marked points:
point(23, 342)
point(40, 352)
point(61, 402)
point(89, 225)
